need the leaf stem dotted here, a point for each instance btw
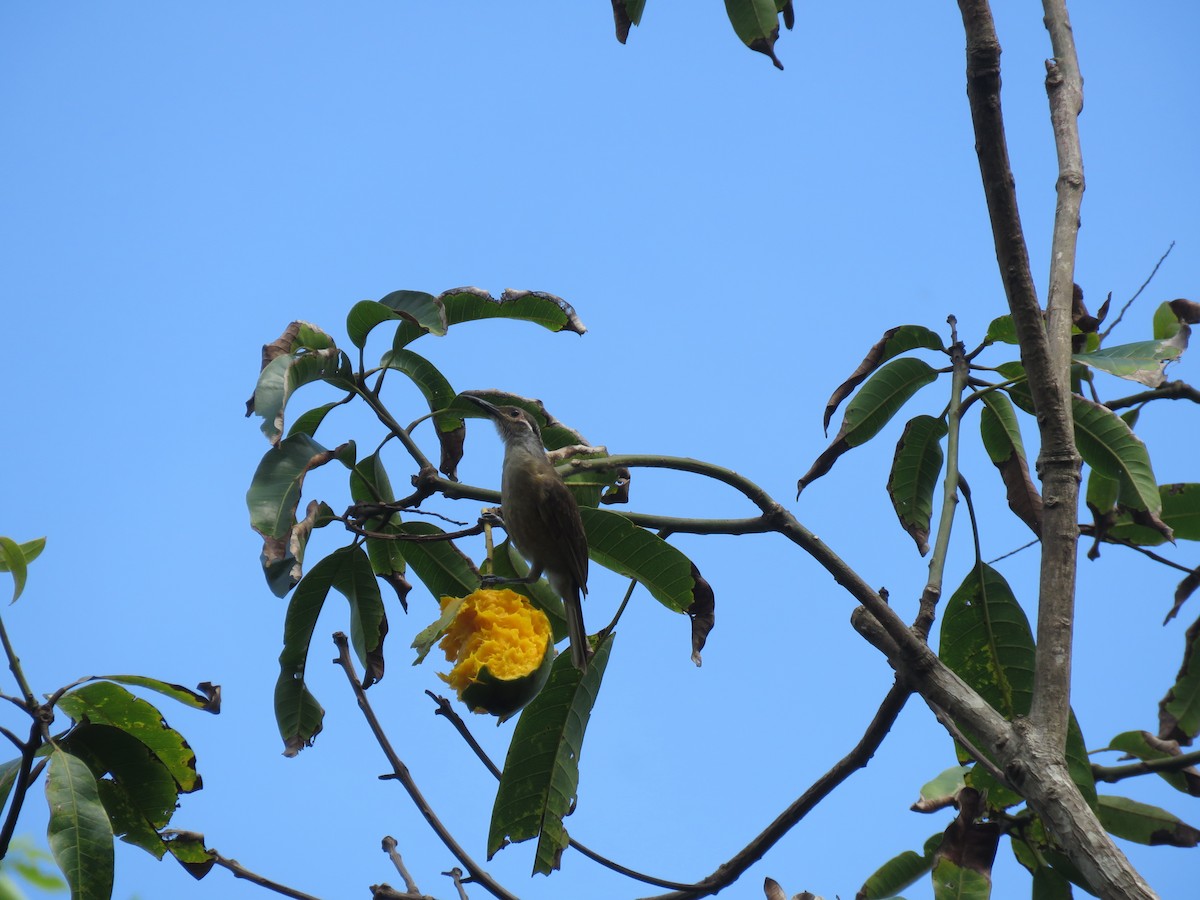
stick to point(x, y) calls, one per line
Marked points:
point(937, 561)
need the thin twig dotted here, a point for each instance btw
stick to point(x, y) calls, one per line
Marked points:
point(240, 871)
point(24, 781)
point(409, 538)
point(1113, 774)
point(401, 773)
point(1172, 390)
point(389, 847)
point(974, 752)
point(1137, 293)
point(457, 875)
point(18, 673)
point(941, 545)
point(992, 562)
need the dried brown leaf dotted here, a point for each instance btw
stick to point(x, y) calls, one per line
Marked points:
point(703, 613)
point(968, 843)
point(1186, 588)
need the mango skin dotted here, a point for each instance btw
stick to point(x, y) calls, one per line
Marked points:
point(506, 697)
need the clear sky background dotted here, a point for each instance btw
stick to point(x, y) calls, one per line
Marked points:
point(180, 181)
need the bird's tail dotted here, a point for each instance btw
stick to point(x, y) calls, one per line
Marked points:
point(580, 649)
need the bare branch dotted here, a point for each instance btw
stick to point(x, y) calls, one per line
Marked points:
point(1172, 390)
point(240, 871)
point(445, 710)
point(1113, 774)
point(1136, 294)
point(400, 773)
point(857, 758)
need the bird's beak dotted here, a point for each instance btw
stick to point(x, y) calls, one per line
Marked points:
point(488, 408)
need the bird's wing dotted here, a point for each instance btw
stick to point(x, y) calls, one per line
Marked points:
point(560, 512)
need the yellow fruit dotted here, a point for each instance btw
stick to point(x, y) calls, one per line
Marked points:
point(502, 648)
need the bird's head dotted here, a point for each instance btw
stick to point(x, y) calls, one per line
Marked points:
point(514, 424)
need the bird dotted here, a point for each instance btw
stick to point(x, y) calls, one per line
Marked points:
point(542, 518)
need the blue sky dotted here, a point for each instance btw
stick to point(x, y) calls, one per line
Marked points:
point(181, 181)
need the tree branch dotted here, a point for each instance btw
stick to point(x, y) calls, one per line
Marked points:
point(1113, 774)
point(448, 712)
point(1059, 461)
point(240, 871)
point(941, 545)
point(1035, 763)
point(400, 773)
point(857, 758)
point(1172, 390)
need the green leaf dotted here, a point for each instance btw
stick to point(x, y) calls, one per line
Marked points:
point(416, 307)
point(986, 640)
point(14, 561)
point(1144, 824)
point(471, 304)
point(79, 832)
point(30, 550)
point(872, 407)
point(1018, 391)
point(896, 874)
point(955, 882)
point(1050, 884)
point(633, 9)
point(1148, 748)
point(310, 421)
point(541, 773)
point(207, 697)
point(1036, 852)
point(895, 341)
point(369, 483)
point(914, 474)
point(440, 565)
point(756, 22)
point(1165, 322)
point(1002, 329)
point(286, 374)
point(1101, 497)
point(140, 796)
point(439, 395)
point(275, 489)
point(619, 545)
point(105, 703)
point(882, 397)
point(1180, 512)
point(1179, 710)
point(433, 633)
point(348, 571)
point(1001, 434)
point(999, 428)
point(429, 381)
point(188, 848)
point(8, 777)
point(1142, 361)
point(1107, 444)
point(942, 790)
